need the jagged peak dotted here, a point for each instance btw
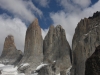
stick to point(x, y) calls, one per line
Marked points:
point(35, 20)
point(35, 23)
point(10, 41)
point(59, 26)
point(10, 38)
point(95, 15)
point(10, 35)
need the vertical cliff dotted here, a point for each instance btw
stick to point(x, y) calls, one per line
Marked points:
point(85, 42)
point(33, 51)
point(56, 49)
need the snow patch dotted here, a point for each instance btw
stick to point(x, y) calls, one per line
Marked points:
point(8, 70)
point(54, 61)
point(21, 74)
point(24, 64)
point(86, 34)
point(2, 65)
point(40, 66)
point(6, 61)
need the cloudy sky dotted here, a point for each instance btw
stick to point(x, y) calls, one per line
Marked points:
point(16, 15)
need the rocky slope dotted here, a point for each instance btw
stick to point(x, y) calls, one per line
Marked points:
point(10, 55)
point(85, 41)
point(56, 50)
point(33, 51)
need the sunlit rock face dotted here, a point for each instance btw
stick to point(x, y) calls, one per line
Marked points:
point(33, 51)
point(10, 54)
point(85, 41)
point(56, 50)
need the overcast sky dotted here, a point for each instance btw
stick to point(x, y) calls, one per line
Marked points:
point(16, 15)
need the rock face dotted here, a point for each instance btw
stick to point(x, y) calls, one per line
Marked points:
point(10, 55)
point(92, 66)
point(85, 42)
point(47, 70)
point(33, 51)
point(56, 49)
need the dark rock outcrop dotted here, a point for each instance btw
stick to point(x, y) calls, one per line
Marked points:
point(10, 55)
point(85, 41)
point(33, 51)
point(56, 49)
point(92, 66)
point(46, 71)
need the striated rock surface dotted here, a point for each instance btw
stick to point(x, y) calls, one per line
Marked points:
point(85, 42)
point(56, 49)
point(10, 55)
point(33, 51)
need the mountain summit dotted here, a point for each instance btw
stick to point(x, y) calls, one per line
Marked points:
point(33, 51)
point(10, 54)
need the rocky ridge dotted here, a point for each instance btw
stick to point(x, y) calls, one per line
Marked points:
point(85, 41)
